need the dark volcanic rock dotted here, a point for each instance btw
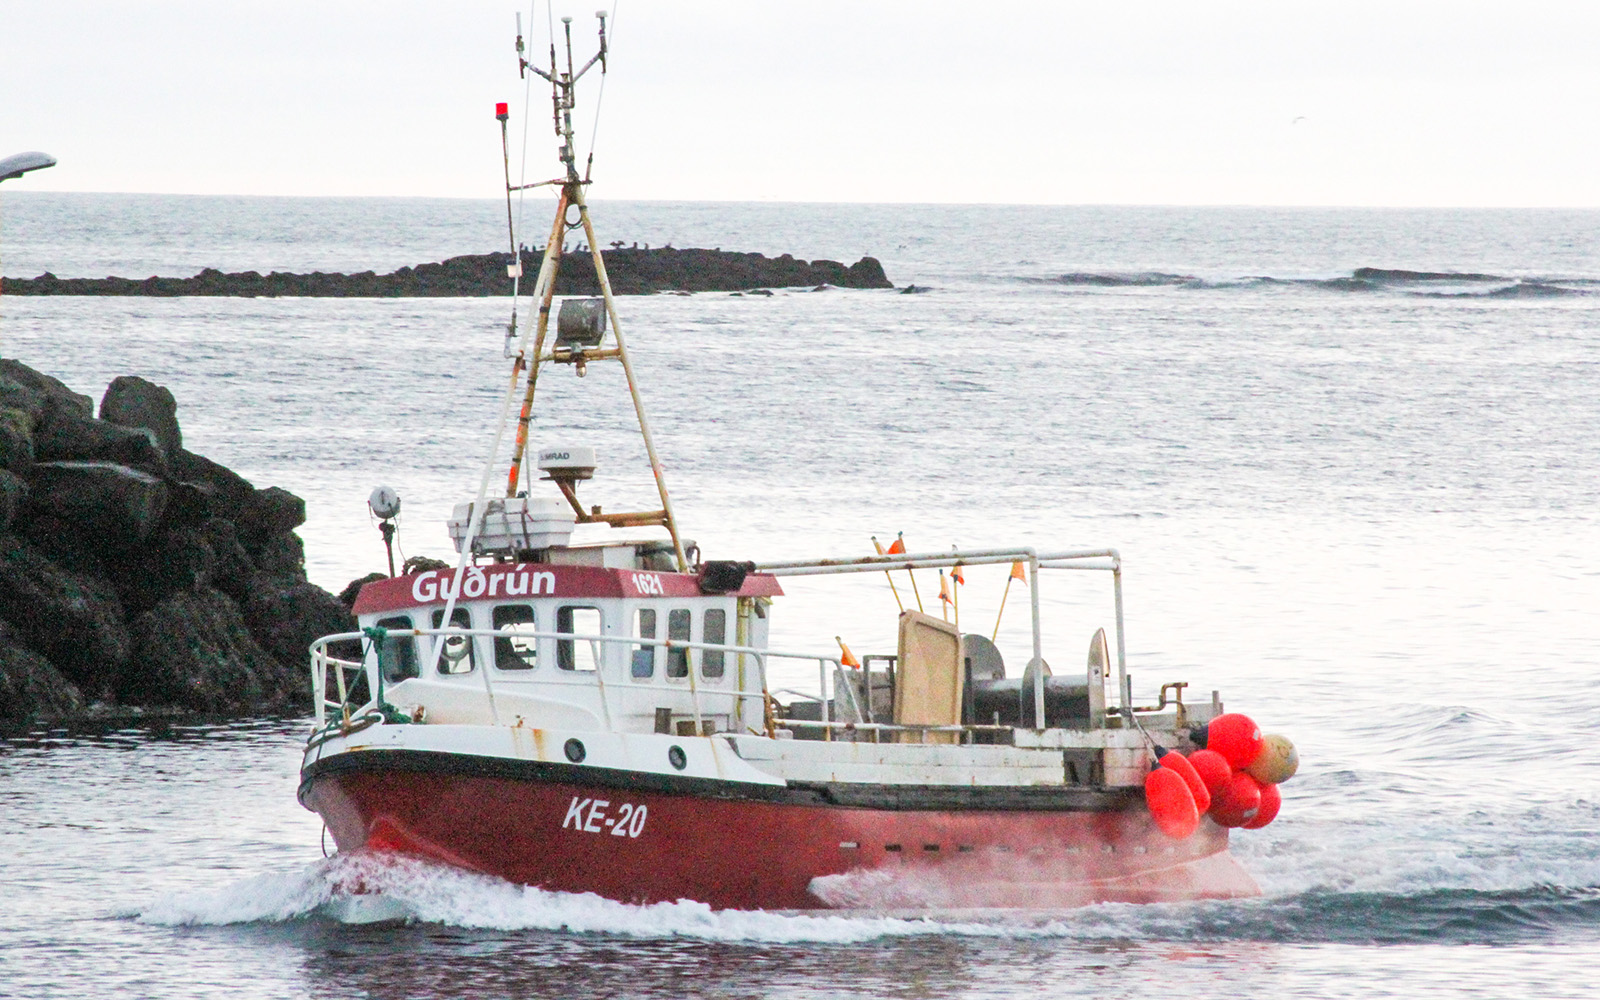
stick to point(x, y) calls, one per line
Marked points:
point(111, 521)
point(30, 688)
point(287, 615)
point(272, 511)
point(179, 558)
point(13, 493)
point(43, 397)
point(231, 565)
point(16, 440)
point(193, 650)
point(109, 500)
point(282, 555)
point(229, 493)
point(72, 618)
point(135, 402)
point(352, 590)
point(84, 439)
point(63, 544)
point(631, 272)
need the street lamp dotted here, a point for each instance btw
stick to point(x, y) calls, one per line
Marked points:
point(17, 165)
point(21, 163)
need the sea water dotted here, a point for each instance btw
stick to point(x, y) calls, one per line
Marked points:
point(1348, 458)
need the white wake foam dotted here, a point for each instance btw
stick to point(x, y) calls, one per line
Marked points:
point(439, 894)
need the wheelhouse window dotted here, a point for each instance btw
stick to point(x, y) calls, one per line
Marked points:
point(679, 624)
point(644, 657)
point(457, 655)
point(397, 654)
point(578, 654)
point(714, 629)
point(513, 651)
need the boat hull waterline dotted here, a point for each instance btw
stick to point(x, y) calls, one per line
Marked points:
point(582, 829)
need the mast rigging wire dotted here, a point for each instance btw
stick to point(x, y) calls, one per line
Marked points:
point(600, 95)
point(527, 113)
point(522, 189)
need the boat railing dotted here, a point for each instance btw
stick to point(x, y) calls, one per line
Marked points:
point(827, 727)
point(322, 662)
point(1104, 560)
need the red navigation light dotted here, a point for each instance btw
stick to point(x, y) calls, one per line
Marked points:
point(502, 111)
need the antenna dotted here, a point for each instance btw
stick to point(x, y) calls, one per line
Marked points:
point(583, 326)
point(502, 113)
point(562, 84)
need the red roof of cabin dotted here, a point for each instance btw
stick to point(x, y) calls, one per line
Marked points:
point(501, 581)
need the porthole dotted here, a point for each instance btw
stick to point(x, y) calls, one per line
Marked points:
point(677, 758)
point(575, 751)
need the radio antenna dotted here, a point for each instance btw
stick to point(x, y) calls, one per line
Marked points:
point(562, 85)
point(572, 346)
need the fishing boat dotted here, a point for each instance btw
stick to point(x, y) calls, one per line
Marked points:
point(607, 715)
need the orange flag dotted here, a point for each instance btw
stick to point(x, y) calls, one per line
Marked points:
point(846, 657)
point(886, 575)
point(955, 574)
point(944, 589)
point(1018, 573)
point(898, 548)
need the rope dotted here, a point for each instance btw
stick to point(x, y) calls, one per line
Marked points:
point(1134, 718)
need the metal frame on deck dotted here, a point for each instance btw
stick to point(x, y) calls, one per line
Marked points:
point(1079, 559)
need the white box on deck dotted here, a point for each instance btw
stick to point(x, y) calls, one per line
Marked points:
point(606, 556)
point(513, 524)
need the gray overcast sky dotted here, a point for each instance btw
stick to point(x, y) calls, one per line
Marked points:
point(1354, 103)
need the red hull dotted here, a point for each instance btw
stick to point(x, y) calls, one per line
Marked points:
point(642, 846)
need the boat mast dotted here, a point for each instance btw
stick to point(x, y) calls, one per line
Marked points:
point(563, 86)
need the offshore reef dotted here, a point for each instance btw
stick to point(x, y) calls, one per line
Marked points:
point(631, 271)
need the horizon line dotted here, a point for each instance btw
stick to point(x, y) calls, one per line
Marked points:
point(1347, 206)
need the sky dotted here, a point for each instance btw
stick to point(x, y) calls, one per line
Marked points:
point(1405, 102)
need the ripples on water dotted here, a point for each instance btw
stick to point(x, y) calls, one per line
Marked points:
point(1366, 516)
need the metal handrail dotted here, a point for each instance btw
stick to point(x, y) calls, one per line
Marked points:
point(1074, 559)
point(320, 660)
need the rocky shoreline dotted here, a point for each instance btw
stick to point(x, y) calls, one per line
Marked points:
point(137, 576)
point(632, 271)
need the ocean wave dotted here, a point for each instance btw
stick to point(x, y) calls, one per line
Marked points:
point(1111, 279)
point(1443, 916)
point(1522, 290)
point(440, 895)
point(1392, 275)
point(1423, 284)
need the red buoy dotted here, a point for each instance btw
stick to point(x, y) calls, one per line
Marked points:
point(1236, 737)
point(1238, 802)
point(1174, 761)
point(1171, 804)
point(1212, 768)
point(1271, 801)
